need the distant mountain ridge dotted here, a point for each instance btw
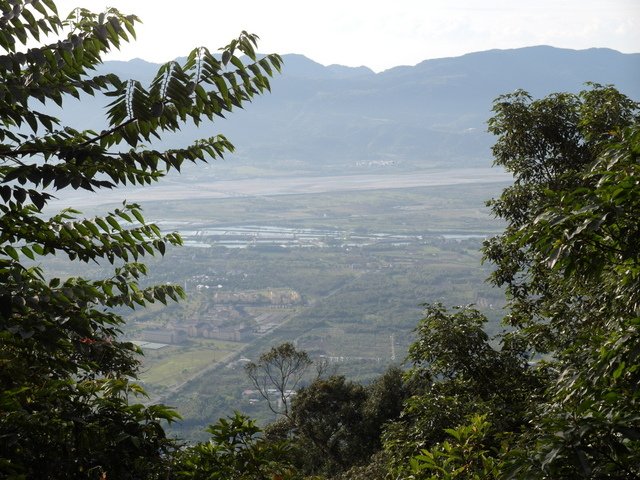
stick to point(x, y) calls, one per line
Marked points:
point(328, 119)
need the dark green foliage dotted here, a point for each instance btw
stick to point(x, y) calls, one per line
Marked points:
point(235, 452)
point(570, 261)
point(67, 406)
point(590, 425)
point(385, 399)
point(463, 454)
point(549, 145)
point(458, 372)
point(328, 416)
point(376, 468)
point(335, 425)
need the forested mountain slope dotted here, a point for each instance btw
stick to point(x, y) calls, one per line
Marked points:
point(334, 119)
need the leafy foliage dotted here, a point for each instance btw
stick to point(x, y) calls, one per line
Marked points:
point(65, 408)
point(549, 144)
point(590, 426)
point(570, 261)
point(462, 456)
point(457, 373)
point(332, 424)
point(328, 416)
point(235, 452)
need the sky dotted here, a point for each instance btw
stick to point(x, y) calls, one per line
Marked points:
point(379, 34)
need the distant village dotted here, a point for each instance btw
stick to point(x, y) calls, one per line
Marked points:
point(226, 317)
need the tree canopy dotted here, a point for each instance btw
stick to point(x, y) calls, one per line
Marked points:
point(67, 407)
point(569, 260)
point(551, 146)
point(280, 370)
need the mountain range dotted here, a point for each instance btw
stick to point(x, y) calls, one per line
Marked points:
point(330, 119)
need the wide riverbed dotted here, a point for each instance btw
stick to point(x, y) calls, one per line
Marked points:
point(175, 189)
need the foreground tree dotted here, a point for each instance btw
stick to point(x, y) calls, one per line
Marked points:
point(550, 145)
point(589, 427)
point(66, 388)
point(458, 374)
point(570, 261)
point(235, 452)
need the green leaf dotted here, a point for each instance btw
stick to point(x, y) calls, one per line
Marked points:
point(27, 251)
point(102, 224)
point(114, 223)
point(619, 370)
point(136, 213)
point(226, 56)
point(9, 250)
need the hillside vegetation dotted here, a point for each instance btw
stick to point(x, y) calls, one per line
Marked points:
point(553, 395)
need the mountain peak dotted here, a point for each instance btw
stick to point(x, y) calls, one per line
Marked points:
point(297, 65)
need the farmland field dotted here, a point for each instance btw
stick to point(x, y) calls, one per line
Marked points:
point(341, 273)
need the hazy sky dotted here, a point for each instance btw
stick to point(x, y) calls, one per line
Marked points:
point(376, 33)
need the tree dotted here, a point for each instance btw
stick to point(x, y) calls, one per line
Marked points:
point(235, 452)
point(589, 427)
point(458, 373)
point(278, 374)
point(328, 417)
point(570, 261)
point(548, 145)
point(330, 424)
point(462, 456)
point(66, 407)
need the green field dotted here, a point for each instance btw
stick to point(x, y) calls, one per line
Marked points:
point(172, 365)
